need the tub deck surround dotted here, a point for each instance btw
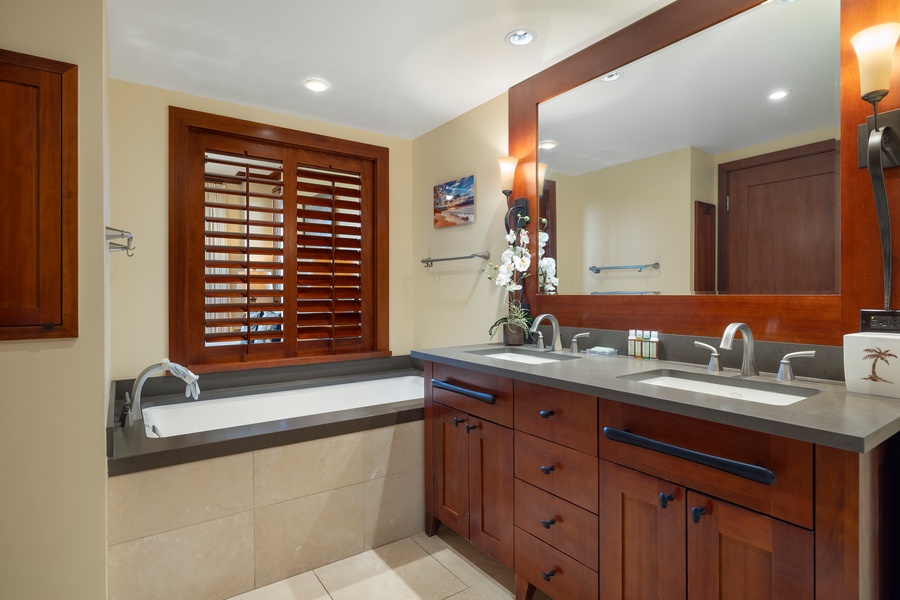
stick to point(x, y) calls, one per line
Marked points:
point(833, 418)
point(130, 450)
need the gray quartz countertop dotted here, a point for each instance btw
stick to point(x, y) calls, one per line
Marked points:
point(833, 417)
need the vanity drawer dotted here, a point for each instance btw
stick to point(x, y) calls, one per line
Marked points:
point(786, 495)
point(560, 416)
point(567, 473)
point(545, 567)
point(559, 523)
point(487, 396)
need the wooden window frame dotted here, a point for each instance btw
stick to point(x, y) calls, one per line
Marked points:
point(55, 314)
point(183, 125)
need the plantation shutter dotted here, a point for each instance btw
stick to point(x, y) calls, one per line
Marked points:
point(329, 260)
point(278, 245)
point(243, 250)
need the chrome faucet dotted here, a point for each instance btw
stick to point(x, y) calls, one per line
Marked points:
point(556, 343)
point(132, 410)
point(748, 365)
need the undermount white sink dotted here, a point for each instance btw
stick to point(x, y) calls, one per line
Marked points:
point(764, 392)
point(523, 355)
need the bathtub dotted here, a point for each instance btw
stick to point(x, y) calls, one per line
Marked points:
point(223, 413)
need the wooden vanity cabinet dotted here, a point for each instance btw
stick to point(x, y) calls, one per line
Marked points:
point(471, 443)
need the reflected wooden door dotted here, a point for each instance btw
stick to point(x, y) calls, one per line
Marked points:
point(780, 224)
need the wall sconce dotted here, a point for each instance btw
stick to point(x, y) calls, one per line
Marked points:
point(879, 147)
point(519, 208)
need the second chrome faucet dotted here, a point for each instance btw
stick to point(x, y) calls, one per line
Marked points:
point(748, 364)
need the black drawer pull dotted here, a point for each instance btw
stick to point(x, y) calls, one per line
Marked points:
point(470, 427)
point(546, 414)
point(457, 421)
point(546, 470)
point(547, 523)
point(733, 467)
point(547, 576)
point(480, 396)
point(696, 513)
point(664, 499)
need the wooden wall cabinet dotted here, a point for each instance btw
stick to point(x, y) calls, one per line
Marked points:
point(38, 232)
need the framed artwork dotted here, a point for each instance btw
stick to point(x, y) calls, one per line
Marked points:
point(454, 202)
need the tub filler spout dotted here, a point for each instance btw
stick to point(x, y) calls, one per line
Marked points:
point(132, 413)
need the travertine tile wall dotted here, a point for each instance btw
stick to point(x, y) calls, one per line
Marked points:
point(213, 529)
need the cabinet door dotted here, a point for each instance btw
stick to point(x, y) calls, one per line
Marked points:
point(737, 554)
point(642, 536)
point(491, 507)
point(451, 480)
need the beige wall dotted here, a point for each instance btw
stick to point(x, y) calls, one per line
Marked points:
point(52, 452)
point(453, 302)
point(138, 117)
point(625, 217)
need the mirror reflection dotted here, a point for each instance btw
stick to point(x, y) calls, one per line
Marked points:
point(634, 177)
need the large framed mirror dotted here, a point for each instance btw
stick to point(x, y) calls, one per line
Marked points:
point(775, 317)
point(634, 180)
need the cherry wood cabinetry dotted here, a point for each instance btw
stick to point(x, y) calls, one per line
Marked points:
point(472, 446)
point(39, 229)
point(588, 498)
point(661, 541)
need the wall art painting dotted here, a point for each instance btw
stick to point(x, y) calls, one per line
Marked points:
point(454, 202)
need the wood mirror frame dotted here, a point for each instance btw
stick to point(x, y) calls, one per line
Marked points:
point(782, 318)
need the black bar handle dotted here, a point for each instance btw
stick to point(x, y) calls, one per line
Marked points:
point(480, 396)
point(733, 467)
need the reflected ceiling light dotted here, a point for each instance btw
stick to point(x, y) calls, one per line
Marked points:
point(778, 94)
point(611, 76)
point(520, 37)
point(547, 145)
point(875, 52)
point(316, 85)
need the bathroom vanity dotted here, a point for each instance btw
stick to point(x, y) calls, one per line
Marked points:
point(590, 482)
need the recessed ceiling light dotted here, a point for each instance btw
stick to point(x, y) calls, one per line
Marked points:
point(611, 76)
point(520, 37)
point(316, 85)
point(547, 145)
point(778, 94)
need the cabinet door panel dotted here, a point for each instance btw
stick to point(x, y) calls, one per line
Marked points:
point(491, 489)
point(451, 481)
point(737, 554)
point(641, 543)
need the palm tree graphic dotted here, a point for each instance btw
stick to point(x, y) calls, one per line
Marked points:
point(876, 354)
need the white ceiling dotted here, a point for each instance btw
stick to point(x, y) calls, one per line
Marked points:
point(398, 67)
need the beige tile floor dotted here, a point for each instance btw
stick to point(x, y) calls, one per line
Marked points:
point(416, 568)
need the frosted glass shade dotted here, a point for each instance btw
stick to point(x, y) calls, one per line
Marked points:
point(507, 172)
point(875, 51)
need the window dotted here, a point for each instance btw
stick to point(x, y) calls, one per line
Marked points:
point(278, 245)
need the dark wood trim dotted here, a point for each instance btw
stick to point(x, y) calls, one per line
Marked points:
point(813, 319)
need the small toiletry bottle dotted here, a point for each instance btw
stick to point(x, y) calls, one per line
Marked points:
point(631, 340)
point(639, 343)
point(654, 345)
point(645, 346)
